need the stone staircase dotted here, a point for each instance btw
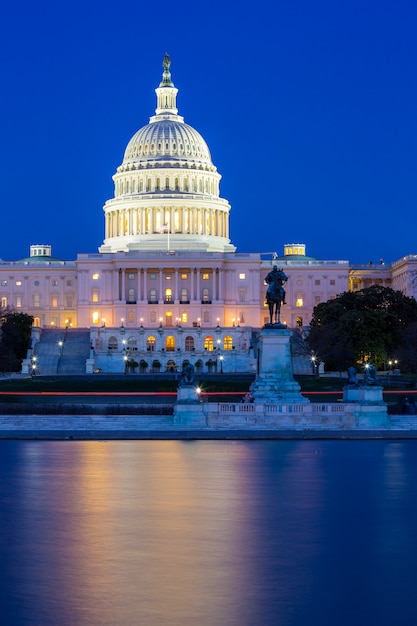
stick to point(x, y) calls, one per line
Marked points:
point(70, 359)
point(47, 351)
point(75, 351)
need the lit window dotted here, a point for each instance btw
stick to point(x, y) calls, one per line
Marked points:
point(3, 283)
point(168, 318)
point(95, 276)
point(18, 283)
point(184, 318)
point(184, 276)
point(227, 343)
point(206, 295)
point(299, 299)
point(36, 299)
point(150, 344)
point(54, 302)
point(168, 295)
point(208, 343)
point(170, 343)
point(168, 276)
point(94, 295)
point(95, 317)
point(205, 276)
point(3, 302)
point(242, 276)
point(18, 302)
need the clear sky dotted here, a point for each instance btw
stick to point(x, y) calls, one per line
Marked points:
point(308, 108)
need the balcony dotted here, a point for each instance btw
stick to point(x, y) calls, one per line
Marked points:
point(206, 302)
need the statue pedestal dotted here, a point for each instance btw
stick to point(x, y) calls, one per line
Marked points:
point(275, 382)
point(188, 409)
point(371, 408)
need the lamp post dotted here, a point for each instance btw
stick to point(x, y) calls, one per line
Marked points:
point(221, 357)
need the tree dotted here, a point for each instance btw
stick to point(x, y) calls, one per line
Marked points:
point(366, 325)
point(15, 334)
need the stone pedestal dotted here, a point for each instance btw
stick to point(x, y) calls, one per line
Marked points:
point(188, 409)
point(275, 382)
point(371, 409)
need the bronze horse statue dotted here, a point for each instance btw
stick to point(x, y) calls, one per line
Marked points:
point(275, 294)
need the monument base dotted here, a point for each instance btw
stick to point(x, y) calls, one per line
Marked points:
point(371, 408)
point(188, 409)
point(275, 382)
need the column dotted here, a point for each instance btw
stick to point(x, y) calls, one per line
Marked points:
point(176, 294)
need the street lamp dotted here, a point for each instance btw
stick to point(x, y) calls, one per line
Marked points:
point(221, 357)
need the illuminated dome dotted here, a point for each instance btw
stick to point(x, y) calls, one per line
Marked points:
point(167, 184)
point(167, 142)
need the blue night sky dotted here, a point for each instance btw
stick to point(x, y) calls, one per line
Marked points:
point(308, 108)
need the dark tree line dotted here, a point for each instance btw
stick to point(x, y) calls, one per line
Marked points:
point(15, 331)
point(374, 324)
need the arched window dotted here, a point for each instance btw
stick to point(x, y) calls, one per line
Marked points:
point(299, 321)
point(171, 367)
point(208, 343)
point(152, 296)
point(156, 367)
point(132, 343)
point(150, 343)
point(189, 344)
point(131, 296)
point(299, 298)
point(184, 295)
point(227, 343)
point(170, 343)
point(36, 299)
point(168, 295)
point(206, 295)
point(112, 345)
point(36, 321)
point(167, 183)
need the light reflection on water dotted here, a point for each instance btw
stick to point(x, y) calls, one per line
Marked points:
point(208, 533)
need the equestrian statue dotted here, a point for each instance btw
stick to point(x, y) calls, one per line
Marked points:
point(275, 294)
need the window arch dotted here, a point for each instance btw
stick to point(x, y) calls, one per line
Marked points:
point(131, 298)
point(150, 343)
point(168, 294)
point(206, 295)
point(36, 321)
point(36, 299)
point(208, 343)
point(132, 343)
point(189, 343)
point(227, 343)
point(170, 343)
point(113, 345)
point(152, 296)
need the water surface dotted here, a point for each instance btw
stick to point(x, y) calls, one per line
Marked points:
point(220, 533)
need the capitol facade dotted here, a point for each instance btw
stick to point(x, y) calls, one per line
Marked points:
point(167, 286)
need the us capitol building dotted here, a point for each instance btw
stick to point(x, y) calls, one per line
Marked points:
point(167, 286)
